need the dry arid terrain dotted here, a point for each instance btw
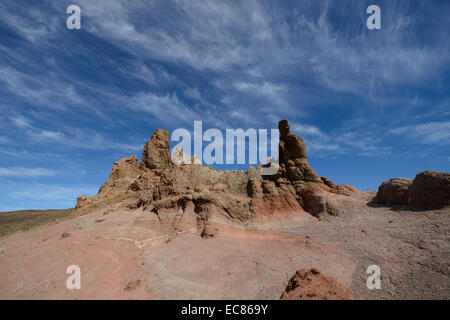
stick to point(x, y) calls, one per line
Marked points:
point(14, 221)
point(167, 229)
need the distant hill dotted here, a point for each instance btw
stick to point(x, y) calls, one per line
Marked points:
point(14, 221)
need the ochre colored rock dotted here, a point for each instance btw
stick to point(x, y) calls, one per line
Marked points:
point(83, 201)
point(125, 168)
point(80, 201)
point(313, 285)
point(293, 159)
point(123, 173)
point(156, 154)
point(166, 188)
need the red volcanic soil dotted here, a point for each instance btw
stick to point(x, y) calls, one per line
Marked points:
point(131, 255)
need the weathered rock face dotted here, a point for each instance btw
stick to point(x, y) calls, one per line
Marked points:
point(293, 159)
point(126, 168)
point(81, 201)
point(313, 285)
point(156, 154)
point(430, 189)
point(296, 187)
point(394, 191)
point(123, 173)
point(180, 191)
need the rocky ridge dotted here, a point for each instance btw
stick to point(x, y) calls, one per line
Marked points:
point(185, 192)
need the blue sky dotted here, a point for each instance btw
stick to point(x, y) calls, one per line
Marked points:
point(371, 105)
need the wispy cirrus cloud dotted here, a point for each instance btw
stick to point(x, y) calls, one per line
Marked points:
point(19, 172)
point(426, 133)
point(20, 122)
point(52, 192)
point(341, 142)
point(35, 25)
point(68, 137)
point(3, 140)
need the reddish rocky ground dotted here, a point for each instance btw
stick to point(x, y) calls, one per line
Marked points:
point(130, 255)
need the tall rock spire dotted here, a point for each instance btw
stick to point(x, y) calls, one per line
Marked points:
point(293, 158)
point(156, 154)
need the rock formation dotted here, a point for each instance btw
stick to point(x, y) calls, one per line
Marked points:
point(293, 159)
point(156, 153)
point(123, 173)
point(296, 186)
point(313, 285)
point(429, 190)
point(394, 191)
point(183, 193)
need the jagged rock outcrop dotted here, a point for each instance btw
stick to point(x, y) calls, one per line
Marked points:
point(394, 191)
point(293, 159)
point(156, 154)
point(82, 201)
point(124, 172)
point(428, 190)
point(182, 191)
point(298, 180)
point(313, 285)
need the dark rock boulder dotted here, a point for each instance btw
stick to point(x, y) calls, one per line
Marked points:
point(394, 191)
point(430, 189)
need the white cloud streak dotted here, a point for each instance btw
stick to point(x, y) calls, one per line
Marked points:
point(19, 172)
point(426, 133)
point(41, 192)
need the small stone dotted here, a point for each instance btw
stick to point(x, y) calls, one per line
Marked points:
point(132, 285)
point(209, 231)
